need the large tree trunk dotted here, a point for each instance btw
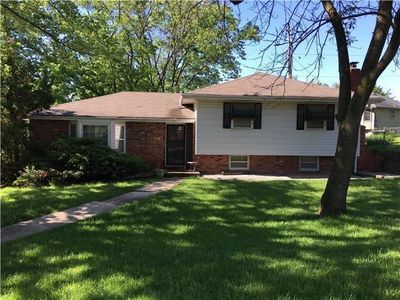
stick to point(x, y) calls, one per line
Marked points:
point(333, 201)
point(350, 109)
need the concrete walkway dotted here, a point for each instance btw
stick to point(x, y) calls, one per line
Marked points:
point(84, 211)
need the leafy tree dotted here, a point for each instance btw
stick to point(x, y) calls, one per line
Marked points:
point(312, 25)
point(99, 47)
point(25, 86)
point(380, 91)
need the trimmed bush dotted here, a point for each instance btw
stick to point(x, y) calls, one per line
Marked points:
point(94, 159)
point(32, 177)
point(71, 160)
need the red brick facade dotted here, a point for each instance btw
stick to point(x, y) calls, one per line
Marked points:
point(212, 164)
point(369, 161)
point(147, 139)
point(48, 130)
point(260, 164)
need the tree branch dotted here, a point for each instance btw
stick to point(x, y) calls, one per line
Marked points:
point(392, 49)
point(343, 58)
point(46, 32)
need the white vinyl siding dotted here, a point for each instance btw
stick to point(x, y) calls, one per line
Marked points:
point(278, 135)
point(385, 118)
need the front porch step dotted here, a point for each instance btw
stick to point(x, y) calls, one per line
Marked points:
point(181, 173)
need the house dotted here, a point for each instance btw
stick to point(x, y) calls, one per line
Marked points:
point(385, 114)
point(260, 124)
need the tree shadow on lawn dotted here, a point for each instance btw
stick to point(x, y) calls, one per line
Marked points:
point(21, 204)
point(213, 239)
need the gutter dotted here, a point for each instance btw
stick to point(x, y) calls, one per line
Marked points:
point(191, 97)
point(127, 119)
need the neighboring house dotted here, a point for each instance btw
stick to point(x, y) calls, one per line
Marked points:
point(385, 114)
point(258, 124)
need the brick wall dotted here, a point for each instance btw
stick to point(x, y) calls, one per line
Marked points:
point(260, 164)
point(212, 164)
point(147, 139)
point(48, 130)
point(369, 161)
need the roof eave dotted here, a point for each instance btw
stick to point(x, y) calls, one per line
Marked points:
point(189, 98)
point(133, 119)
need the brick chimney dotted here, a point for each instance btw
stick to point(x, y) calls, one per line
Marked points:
point(354, 74)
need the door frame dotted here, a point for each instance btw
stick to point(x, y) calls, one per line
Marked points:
point(166, 146)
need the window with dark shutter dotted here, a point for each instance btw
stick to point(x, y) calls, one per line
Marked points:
point(257, 115)
point(227, 115)
point(330, 121)
point(300, 116)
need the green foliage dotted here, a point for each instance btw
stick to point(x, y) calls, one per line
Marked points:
point(93, 159)
point(79, 159)
point(32, 177)
point(25, 85)
point(94, 48)
point(217, 240)
point(380, 91)
point(380, 139)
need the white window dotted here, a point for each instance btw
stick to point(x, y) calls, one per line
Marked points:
point(73, 129)
point(238, 162)
point(309, 163)
point(242, 123)
point(96, 131)
point(119, 143)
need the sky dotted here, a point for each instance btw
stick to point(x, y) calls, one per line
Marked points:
point(389, 80)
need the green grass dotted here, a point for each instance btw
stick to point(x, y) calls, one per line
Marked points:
point(219, 240)
point(20, 204)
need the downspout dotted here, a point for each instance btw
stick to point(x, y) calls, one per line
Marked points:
point(180, 101)
point(355, 164)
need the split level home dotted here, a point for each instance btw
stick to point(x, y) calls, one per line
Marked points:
point(383, 115)
point(260, 124)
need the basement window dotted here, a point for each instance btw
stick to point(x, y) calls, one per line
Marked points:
point(309, 163)
point(238, 162)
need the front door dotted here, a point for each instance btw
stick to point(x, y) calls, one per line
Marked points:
point(176, 145)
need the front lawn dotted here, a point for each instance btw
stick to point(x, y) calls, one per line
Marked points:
point(219, 240)
point(20, 204)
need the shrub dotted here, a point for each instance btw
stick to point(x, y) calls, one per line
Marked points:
point(32, 177)
point(380, 139)
point(70, 160)
point(93, 159)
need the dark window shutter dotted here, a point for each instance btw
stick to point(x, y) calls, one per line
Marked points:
point(301, 109)
point(257, 115)
point(330, 121)
point(227, 115)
